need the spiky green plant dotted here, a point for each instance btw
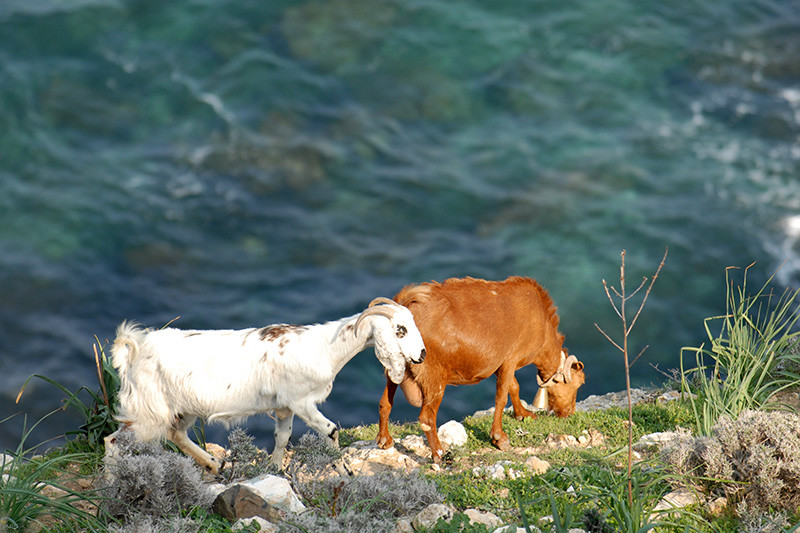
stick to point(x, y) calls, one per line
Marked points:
point(23, 498)
point(749, 360)
point(99, 408)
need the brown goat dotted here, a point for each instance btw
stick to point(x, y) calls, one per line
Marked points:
point(472, 329)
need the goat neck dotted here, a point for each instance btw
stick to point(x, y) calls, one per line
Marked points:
point(345, 341)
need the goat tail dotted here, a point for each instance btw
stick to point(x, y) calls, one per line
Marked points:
point(126, 346)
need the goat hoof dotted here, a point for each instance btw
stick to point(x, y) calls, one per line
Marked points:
point(524, 414)
point(384, 443)
point(437, 456)
point(502, 444)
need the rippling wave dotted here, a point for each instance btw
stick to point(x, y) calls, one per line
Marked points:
point(243, 163)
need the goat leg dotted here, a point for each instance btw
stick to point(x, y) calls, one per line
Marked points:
point(520, 411)
point(384, 438)
point(427, 421)
point(505, 376)
point(202, 457)
point(309, 413)
point(284, 419)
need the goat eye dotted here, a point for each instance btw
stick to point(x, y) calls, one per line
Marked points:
point(401, 331)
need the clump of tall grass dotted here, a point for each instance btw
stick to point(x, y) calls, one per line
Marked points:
point(23, 493)
point(99, 407)
point(749, 361)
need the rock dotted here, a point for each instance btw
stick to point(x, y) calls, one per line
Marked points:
point(669, 396)
point(453, 433)
point(240, 501)
point(653, 441)
point(612, 399)
point(367, 459)
point(513, 529)
point(537, 466)
point(216, 488)
point(498, 471)
point(428, 517)
point(479, 517)
point(560, 441)
point(676, 500)
point(717, 506)
point(264, 525)
point(266, 496)
point(415, 444)
point(217, 451)
point(51, 492)
point(591, 437)
point(404, 526)
point(508, 410)
point(277, 491)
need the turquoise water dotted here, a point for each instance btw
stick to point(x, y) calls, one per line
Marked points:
point(240, 163)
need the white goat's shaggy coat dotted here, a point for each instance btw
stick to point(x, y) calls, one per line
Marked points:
point(170, 377)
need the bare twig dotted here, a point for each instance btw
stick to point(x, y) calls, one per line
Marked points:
point(623, 346)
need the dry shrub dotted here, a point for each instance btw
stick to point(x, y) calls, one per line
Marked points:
point(754, 460)
point(149, 480)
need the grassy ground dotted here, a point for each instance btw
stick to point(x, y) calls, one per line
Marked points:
point(585, 484)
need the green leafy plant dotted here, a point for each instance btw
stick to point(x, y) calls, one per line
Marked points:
point(23, 494)
point(749, 360)
point(562, 509)
point(99, 409)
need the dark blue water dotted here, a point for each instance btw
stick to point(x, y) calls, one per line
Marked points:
point(241, 163)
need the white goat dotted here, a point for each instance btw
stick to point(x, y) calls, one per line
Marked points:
point(170, 377)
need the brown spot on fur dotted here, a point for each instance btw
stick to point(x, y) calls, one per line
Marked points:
point(270, 333)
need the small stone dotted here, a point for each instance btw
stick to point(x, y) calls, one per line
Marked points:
point(403, 526)
point(675, 500)
point(717, 506)
point(537, 466)
point(277, 491)
point(242, 502)
point(560, 441)
point(453, 433)
point(370, 459)
point(496, 471)
point(654, 441)
point(415, 444)
point(479, 517)
point(216, 450)
point(428, 517)
point(669, 396)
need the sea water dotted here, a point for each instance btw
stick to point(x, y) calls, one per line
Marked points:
point(237, 163)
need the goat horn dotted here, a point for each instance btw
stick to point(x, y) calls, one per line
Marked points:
point(382, 300)
point(568, 368)
point(380, 310)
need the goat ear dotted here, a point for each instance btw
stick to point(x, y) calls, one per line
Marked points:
point(577, 366)
point(393, 363)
